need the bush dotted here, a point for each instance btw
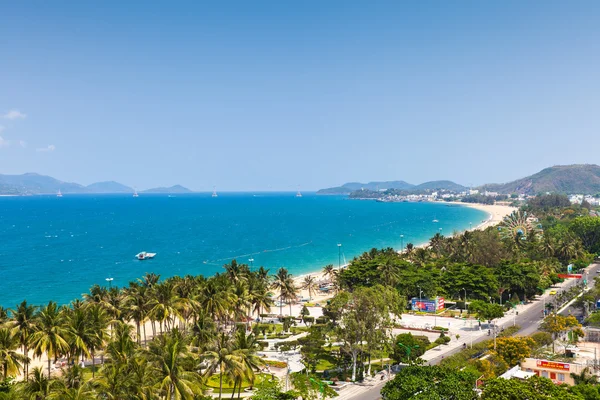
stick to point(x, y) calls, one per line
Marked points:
point(276, 364)
point(262, 344)
point(542, 339)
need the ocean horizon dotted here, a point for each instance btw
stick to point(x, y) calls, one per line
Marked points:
point(56, 248)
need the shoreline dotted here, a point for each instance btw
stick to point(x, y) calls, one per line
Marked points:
point(496, 213)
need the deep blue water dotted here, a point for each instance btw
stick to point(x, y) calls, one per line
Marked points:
point(56, 248)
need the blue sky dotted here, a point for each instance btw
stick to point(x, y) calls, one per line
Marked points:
point(272, 95)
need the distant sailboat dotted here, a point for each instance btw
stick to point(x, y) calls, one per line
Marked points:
point(135, 193)
point(214, 193)
point(298, 194)
point(59, 194)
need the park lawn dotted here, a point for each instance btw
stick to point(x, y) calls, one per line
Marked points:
point(213, 382)
point(323, 365)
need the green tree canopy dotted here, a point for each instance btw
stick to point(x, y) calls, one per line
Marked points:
point(430, 382)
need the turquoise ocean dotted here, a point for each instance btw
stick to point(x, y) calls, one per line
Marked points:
point(55, 248)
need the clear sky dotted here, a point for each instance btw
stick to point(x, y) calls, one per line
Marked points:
point(253, 95)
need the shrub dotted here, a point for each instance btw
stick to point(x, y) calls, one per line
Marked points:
point(276, 364)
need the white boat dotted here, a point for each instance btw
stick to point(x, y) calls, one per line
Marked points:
point(135, 193)
point(214, 193)
point(59, 194)
point(144, 256)
point(298, 194)
point(435, 220)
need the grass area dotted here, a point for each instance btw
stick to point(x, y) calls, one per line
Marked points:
point(213, 382)
point(325, 363)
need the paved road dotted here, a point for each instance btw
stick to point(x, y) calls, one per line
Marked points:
point(528, 320)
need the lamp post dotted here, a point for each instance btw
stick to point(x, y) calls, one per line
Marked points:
point(402, 242)
point(109, 280)
point(251, 260)
point(339, 255)
point(465, 296)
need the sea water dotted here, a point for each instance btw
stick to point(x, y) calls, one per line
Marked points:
point(55, 248)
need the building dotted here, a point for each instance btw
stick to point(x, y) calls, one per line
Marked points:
point(557, 372)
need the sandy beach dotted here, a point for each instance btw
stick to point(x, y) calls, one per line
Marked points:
point(496, 212)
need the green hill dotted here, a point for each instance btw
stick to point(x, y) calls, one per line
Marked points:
point(568, 179)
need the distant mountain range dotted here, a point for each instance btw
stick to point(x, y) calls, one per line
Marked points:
point(32, 183)
point(350, 187)
point(568, 179)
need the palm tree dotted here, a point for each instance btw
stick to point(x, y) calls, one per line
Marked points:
point(328, 271)
point(136, 307)
point(222, 357)
point(203, 332)
point(310, 283)
point(290, 292)
point(164, 305)
point(585, 377)
point(10, 359)
point(235, 272)
point(388, 271)
point(24, 325)
point(241, 299)
point(149, 280)
point(81, 393)
point(50, 334)
point(436, 243)
point(280, 281)
point(122, 347)
point(78, 333)
point(263, 275)
point(245, 348)
point(38, 387)
point(169, 354)
point(262, 300)
point(215, 299)
point(98, 321)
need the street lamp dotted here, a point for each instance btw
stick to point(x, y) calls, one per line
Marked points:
point(109, 280)
point(251, 260)
point(465, 296)
point(402, 242)
point(339, 255)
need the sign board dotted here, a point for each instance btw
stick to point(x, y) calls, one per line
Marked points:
point(553, 365)
point(428, 305)
point(565, 276)
point(569, 268)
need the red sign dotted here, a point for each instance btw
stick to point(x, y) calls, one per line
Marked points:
point(553, 365)
point(440, 303)
point(565, 276)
